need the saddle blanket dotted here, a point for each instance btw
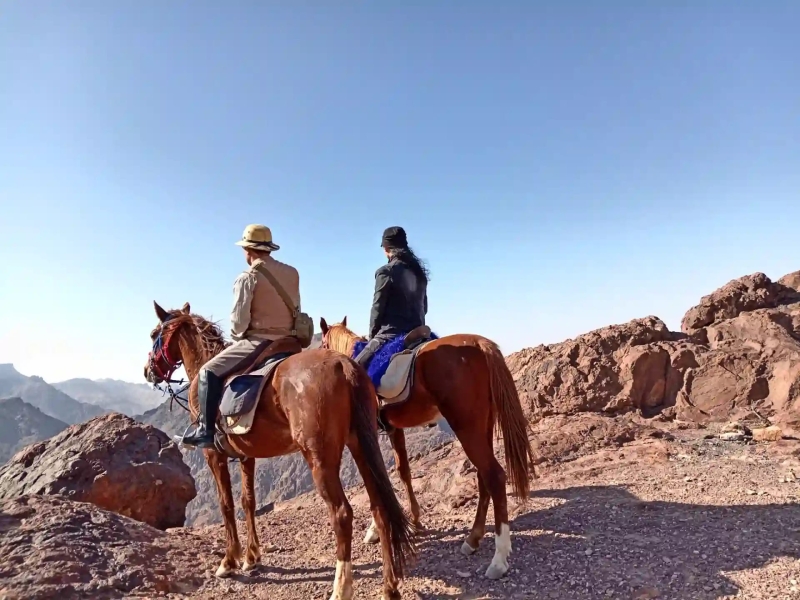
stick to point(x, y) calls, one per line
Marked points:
point(241, 395)
point(391, 368)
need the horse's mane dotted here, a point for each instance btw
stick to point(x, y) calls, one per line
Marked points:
point(341, 339)
point(212, 339)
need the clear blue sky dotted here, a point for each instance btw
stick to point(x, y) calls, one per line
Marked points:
point(561, 166)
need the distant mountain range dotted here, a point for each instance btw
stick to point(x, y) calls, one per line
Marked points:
point(119, 396)
point(22, 424)
point(77, 400)
point(51, 401)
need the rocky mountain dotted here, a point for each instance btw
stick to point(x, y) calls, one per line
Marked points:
point(22, 424)
point(37, 392)
point(111, 394)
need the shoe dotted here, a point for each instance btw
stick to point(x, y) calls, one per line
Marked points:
point(209, 394)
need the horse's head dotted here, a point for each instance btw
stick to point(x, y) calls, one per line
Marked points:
point(337, 337)
point(165, 357)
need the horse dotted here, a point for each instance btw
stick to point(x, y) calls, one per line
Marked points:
point(315, 402)
point(463, 378)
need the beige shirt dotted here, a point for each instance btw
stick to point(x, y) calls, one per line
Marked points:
point(257, 306)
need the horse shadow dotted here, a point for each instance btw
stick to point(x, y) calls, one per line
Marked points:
point(603, 542)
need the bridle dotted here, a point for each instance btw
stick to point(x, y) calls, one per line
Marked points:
point(159, 354)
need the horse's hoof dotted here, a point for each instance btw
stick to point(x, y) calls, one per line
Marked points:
point(223, 572)
point(467, 550)
point(249, 566)
point(495, 572)
point(372, 537)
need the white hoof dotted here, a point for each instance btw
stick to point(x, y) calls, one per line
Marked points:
point(496, 571)
point(372, 536)
point(223, 572)
point(502, 549)
point(467, 550)
point(249, 566)
point(343, 582)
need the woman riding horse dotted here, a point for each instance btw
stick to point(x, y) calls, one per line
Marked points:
point(401, 294)
point(462, 377)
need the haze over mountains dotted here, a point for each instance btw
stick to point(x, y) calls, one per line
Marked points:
point(32, 410)
point(22, 424)
point(120, 396)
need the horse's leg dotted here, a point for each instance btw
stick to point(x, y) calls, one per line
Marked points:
point(233, 552)
point(253, 554)
point(390, 581)
point(476, 439)
point(473, 541)
point(404, 469)
point(325, 471)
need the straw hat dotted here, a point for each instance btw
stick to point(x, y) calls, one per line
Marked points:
point(258, 237)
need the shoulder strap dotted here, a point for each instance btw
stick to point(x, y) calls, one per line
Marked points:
point(262, 268)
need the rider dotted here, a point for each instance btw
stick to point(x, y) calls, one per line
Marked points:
point(401, 297)
point(258, 314)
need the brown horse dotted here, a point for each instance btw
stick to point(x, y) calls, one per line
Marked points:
point(316, 402)
point(463, 378)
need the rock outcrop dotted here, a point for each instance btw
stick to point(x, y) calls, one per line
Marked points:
point(111, 461)
point(738, 356)
point(54, 548)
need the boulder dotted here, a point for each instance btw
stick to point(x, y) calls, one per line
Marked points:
point(634, 366)
point(746, 294)
point(111, 461)
point(56, 548)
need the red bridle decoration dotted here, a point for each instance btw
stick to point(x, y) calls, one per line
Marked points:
point(160, 353)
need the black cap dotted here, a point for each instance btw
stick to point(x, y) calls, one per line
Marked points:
point(394, 238)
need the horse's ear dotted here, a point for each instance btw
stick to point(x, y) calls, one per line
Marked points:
point(160, 312)
point(344, 321)
point(323, 324)
point(185, 308)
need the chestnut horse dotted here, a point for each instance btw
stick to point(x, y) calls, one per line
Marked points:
point(317, 402)
point(463, 378)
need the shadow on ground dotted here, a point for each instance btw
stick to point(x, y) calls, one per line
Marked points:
point(604, 542)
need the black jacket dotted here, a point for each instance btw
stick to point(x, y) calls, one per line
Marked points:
point(401, 299)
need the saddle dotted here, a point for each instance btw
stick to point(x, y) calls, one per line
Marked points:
point(244, 385)
point(395, 384)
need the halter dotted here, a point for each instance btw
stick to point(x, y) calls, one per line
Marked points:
point(160, 352)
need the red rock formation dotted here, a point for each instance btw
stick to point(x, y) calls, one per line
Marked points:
point(111, 461)
point(741, 358)
point(54, 548)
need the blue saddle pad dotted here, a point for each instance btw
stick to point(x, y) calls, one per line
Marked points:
point(376, 368)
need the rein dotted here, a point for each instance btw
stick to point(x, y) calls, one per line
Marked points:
point(160, 351)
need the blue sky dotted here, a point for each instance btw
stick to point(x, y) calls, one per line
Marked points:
point(561, 166)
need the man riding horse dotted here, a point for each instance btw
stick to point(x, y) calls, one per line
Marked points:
point(401, 294)
point(259, 316)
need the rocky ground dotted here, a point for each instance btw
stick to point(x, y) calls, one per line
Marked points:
point(688, 518)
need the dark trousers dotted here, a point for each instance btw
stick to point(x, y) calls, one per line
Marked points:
point(365, 356)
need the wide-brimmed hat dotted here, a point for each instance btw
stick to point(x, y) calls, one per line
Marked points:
point(257, 237)
point(394, 238)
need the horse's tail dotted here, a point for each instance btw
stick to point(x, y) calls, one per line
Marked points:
point(394, 525)
point(509, 419)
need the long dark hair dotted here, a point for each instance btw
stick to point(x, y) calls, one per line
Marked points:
point(406, 256)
